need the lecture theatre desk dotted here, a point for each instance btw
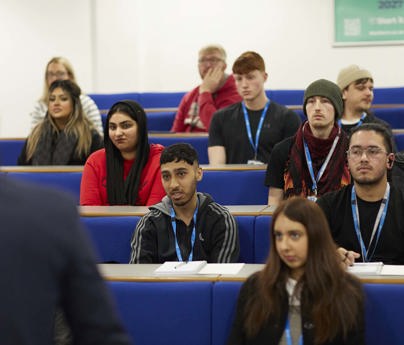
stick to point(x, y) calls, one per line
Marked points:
point(116, 211)
point(145, 272)
point(153, 308)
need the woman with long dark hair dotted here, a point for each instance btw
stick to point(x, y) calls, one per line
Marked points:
point(65, 136)
point(303, 295)
point(127, 170)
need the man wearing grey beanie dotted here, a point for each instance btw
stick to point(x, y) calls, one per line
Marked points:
point(356, 84)
point(312, 162)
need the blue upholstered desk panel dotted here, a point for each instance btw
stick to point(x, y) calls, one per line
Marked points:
point(160, 99)
point(165, 313)
point(66, 181)
point(146, 99)
point(10, 151)
point(227, 187)
point(384, 312)
point(111, 237)
point(261, 238)
point(200, 144)
point(393, 116)
point(388, 95)
point(158, 121)
point(286, 97)
point(399, 139)
point(105, 101)
point(235, 187)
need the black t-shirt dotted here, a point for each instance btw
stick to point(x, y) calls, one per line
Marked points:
point(367, 217)
point(228, 129)
point(370, 118)
point(184, 233)
point(277, 164)
point(338, 211)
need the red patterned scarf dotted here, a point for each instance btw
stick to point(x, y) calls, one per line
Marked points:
point(336, 175)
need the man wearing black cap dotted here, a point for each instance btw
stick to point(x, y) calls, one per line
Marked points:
point(312, 162)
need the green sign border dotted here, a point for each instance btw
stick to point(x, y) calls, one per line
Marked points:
point(368, 22)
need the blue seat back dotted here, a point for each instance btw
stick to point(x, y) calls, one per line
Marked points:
point(246, 235)
point(224, 301)
point(262, 239)
point(111, 237)
point(174, 313)
point(235, 187)
point(199, 143)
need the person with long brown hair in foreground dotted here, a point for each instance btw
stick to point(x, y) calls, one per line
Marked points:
point(303, 295)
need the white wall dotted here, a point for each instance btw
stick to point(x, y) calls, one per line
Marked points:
point(152, 45)
point(156, 42)
point(31, 32)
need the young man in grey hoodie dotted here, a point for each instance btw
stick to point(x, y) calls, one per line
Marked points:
point(186, 225)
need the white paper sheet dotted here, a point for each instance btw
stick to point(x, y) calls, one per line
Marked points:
point(369, 268)
point(221, 269)
point(393, 270)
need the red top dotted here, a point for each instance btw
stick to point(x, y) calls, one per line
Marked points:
point(202, 107)
point(93, 189)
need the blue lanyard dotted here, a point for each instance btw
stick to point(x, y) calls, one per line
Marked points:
point(309, 162)
point(381, 216)
point(177, 247)
point(288, 334)
point(259, 128)
point(358, 124)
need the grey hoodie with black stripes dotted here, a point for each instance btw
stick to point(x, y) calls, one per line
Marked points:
point(216, 237)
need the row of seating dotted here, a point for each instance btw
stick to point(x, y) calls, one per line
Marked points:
point(238, 186)
point(392, 95)
point(10, 149)
point(201, 313)
point(111, 237)
point(162, 121)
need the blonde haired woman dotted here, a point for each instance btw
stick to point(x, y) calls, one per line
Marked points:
point(65, 136)
point(59, 68)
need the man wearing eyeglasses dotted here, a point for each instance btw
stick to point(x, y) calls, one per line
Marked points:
point(216, 91)
point(366, 218)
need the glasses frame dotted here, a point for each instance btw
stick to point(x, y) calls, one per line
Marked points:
point(367, 151)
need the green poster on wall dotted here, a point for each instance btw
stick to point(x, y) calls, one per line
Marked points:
point(369, 22)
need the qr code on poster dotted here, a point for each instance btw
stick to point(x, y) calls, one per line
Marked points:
point(352, 27)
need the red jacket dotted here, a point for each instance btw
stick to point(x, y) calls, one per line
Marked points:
point(93, 190)
point(203, 106)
